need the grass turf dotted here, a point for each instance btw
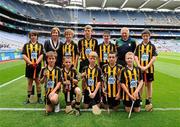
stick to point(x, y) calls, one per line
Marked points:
point(165, 95)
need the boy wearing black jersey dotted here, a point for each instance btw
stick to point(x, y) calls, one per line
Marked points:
point(70, 86)
point(51, 76)
point(32, 54)
point(131, 82)
point(145, 56)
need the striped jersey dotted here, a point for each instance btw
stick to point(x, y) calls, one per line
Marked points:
point(53, 77)
point(93, 76)
point(72, 73)
point(70, 49)
point(131, 80)
point(86, 46)
point(145, 54)
point(111, 79)
point(33, 51)
point(103, 51)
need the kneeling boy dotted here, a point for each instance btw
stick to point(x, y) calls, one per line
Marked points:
point(70, 86)
point(51, 76)
point(131, 82)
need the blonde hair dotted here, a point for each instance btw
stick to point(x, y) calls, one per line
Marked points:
point(129, 54)
point(51, 54)
point(93, 54)
point(55, 29)
point(69, 31)
point(88, 27)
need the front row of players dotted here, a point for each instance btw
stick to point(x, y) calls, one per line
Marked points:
point(99, 87)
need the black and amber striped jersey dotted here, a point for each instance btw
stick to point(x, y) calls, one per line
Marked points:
point(145, 54)
point(69, 75)
point(103, 51)
point(131, 80)
point(93, 76)
point(70, 49)
point(86, 46)
point(111, 79)
point(33, 51)
point(52, 78)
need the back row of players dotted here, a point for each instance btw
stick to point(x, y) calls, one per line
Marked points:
point(104, 69)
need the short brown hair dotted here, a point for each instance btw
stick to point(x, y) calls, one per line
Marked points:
point(51, 54)
point(146, 31)
point(112, 52)
point(32, 33)
point(107, 32)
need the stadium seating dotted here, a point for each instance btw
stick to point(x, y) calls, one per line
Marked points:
point(93, 16)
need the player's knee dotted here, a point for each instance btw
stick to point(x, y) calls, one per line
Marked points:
point(53, 98)
point(49, 108)
point(137, 109)
point(78, 91)
point(85, 106)
point(127, 109)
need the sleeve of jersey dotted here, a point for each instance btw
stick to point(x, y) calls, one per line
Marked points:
point(114, 47)
point(24, 49)
point(122, 78)
point(99, 79)
point(42, 51)
point(79, 46)
point(154, 51)
point(136, 51)
point(96, 46)
point(103, 70)
point(60, 78)
point(98, 50)
point(119, 72)
point(76, 49)
point(140, 74)
point(75, 75)
point(42, 72)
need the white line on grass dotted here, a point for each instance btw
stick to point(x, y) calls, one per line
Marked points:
point(84, 110)
point(7, 83)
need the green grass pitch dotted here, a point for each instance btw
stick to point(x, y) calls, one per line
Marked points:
point(165, 96)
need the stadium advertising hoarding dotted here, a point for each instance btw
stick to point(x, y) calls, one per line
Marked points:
point(10, 55)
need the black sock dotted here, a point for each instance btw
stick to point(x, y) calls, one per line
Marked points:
point(29, 94)
point(39, 95)
point(148, 101)
point(77, 105)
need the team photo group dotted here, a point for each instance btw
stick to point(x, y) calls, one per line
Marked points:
point(90, 74)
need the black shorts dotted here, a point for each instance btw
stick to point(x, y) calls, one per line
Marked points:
point(90, 101)
point(47, 101)
point(129, 103)
point(30, 71)
point(149, 77)
point(111, 101)
point(72, 95)
point(83, 64)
